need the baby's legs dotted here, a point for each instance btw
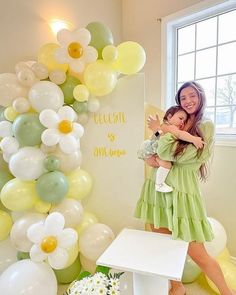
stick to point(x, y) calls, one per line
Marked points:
point(161, 175)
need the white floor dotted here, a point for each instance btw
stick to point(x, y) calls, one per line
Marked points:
point(199, 287)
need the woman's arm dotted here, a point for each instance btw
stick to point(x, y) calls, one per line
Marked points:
point(183, 135)
point(152, 161)
point(167, 145)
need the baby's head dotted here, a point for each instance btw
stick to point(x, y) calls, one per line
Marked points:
point(177, 116)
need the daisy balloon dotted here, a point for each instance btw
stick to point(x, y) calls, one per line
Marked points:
point(61, 128)
point(51, 241)
point(74, 49)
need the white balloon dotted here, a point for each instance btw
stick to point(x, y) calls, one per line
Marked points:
point(21, 65)
point(68, 162)
point(10, 88)
point(8, 254)
point(93, 105)
point(26, 77)
point(49, 118)
point(57, 76)
point(21, 105)
point(5, 129)
point(9, 145)
point(19, 229)
point(87, 264)
point(95, 239)
point(40, 70)
point(68, 144)
point(218, 244)
point(26, 277)
point(72, 211)
point(46, 95)
point(27, 163)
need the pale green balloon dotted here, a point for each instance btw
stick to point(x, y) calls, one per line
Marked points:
point(69, 274)
point(52, 187)
point(191, 271)
point(101, 36)
point(67, 88)
point(51, 163)
point(27, 129)
point(80, 107)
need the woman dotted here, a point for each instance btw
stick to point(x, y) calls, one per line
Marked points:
point(182, 212)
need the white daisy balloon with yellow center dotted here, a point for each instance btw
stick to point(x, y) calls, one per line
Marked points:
point(51, 241)
point(74, 49)
point(61, 129)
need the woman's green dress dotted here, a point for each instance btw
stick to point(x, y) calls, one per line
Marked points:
point(182, 211)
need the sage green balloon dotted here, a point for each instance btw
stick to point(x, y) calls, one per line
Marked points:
point(52, 187)
point(27, 129)
point(101, 36)
point(69, 274)
point(191, 271)
point(80, 107)
point(4, 178)
point(51, 163)
point(67, 88)
point(22, 255)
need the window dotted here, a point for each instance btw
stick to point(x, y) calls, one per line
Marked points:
point(200, 45)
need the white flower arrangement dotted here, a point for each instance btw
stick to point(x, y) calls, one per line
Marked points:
point(97, 284)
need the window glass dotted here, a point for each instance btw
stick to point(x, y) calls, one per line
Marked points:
point(186, 67)
point(207, 33)
point(227, 27)
point(226, 58)
point(186, 38)
point(206, 63)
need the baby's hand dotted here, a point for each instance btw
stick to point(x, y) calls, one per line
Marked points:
point(198, 142)
point(154, 123)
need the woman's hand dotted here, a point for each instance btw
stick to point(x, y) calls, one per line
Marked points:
point(152, 161)
point(154, 123)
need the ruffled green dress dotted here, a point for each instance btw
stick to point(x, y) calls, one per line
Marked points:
point(182, 211)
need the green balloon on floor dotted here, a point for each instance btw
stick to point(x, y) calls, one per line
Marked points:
point(69, 274)
point(191, 271)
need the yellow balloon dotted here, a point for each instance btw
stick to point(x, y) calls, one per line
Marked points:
point(229, 271)
point(10, 114)
point(18, 195)
point(81, 93)
point(42, 207)
point(109, 53)
point(100, 78)
point(46, 56)
point(88, 219)
point(224, 255)
point(80, 184)
point(131, 58)
point(6, 225)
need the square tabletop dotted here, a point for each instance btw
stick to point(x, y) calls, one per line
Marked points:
point(146, 253)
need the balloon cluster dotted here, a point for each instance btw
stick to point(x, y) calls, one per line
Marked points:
point(43, 108)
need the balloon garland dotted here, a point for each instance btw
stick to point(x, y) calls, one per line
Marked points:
point(43, 107)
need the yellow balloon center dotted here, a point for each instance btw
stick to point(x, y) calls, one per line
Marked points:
point(49, 244)
point(65, 126)
point(75, 50)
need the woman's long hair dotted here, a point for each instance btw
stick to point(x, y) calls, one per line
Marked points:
point(194, 127)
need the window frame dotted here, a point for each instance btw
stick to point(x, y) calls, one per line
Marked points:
point(169, 25)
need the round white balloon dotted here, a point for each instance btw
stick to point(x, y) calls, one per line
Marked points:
point(27, 163)
point(26, 277)
point(95, 239)
point(46, 95)
point(218, 244)
point(19, 229)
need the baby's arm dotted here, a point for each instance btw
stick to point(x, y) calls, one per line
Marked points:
point(184, 135)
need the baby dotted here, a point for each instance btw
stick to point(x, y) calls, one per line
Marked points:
point(173, 122)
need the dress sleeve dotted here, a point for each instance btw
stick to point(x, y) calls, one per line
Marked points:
point(167, 145)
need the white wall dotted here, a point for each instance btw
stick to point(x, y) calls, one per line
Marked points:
point(140, 24)
point(24, 24)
